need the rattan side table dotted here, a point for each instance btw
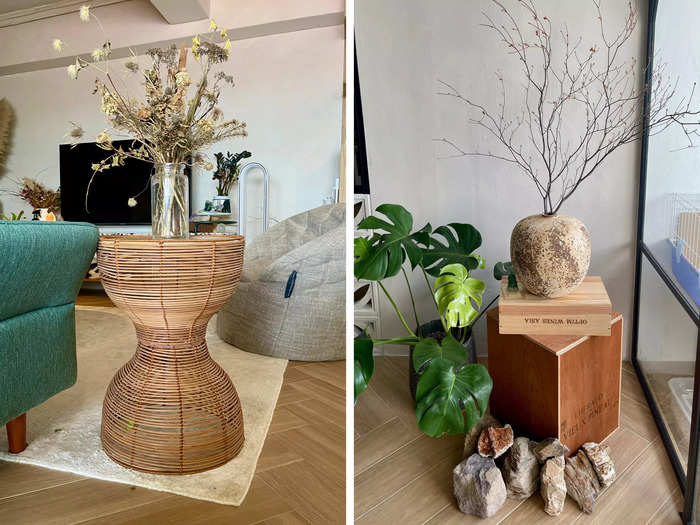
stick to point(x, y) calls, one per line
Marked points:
point(171, 409)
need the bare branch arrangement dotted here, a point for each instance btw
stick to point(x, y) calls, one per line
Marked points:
point(587, 84)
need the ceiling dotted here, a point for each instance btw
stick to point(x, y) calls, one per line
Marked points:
point(7, 6)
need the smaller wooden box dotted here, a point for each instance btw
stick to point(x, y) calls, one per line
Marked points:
point(585, 311)
point(556, 386)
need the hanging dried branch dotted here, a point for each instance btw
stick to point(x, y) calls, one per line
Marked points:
point(589, 88)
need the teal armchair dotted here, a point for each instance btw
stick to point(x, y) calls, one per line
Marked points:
point(42, 265)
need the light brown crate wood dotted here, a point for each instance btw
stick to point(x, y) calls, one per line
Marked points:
point(556, 386)
point(585, 311)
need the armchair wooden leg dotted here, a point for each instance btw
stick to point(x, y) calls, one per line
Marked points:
point(17, 434)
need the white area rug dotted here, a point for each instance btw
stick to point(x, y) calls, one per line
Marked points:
point(64, 432)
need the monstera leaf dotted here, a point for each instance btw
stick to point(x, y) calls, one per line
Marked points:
point(428, 349)
point(453, 250)
point(458, 296)
point(382, 255)
point(364, 364)
point(451, 400)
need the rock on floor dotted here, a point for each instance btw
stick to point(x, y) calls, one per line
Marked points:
point(599, 456)
point(581, 481)
point(472, 436)
point(479, 486)
point(553, 485)
point(521, 471)
point(494, 441)
point(549, 448)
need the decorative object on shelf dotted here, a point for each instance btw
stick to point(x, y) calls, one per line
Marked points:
point(593, 90)
point(586, 311)
point(170, 289)
point(685, 242)
point(550, 254)
point(226, 173)
point(38, 197)
point(169, 125)
point(566, 387)
point(453, 391)
point(242, 181)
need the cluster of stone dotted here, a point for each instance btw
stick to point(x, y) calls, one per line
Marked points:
point(481, 487)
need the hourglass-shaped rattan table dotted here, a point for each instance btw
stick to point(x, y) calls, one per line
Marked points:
point(171, 409)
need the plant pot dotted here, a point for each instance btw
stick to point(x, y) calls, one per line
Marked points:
point(434, 329)
point(170, 202)
point(221, 204)
point(550, 254)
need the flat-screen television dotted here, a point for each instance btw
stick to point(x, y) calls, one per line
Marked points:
point(107, 202)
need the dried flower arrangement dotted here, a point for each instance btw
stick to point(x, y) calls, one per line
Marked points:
point(227, 170)
point(169, 126)
point(37, 195)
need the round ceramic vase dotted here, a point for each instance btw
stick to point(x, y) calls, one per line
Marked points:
point(550, 254)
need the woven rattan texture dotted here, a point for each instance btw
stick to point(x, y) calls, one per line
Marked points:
point(171, 409)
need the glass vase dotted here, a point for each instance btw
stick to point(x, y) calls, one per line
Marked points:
point(170, 202)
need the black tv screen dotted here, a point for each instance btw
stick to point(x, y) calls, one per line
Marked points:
point(107, 202)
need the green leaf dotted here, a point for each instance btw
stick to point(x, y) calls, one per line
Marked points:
point(458, 296)
point(453, 250)
point(428, 349)
point(364, 364)
point(382, 255)
point(449, 402)
point(503, 269)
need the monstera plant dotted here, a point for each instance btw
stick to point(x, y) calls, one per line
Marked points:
point(452, 391)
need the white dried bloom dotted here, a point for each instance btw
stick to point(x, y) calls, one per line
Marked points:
point(98, 54)
point(58, 45)
point(131, 202)
point(103, 137)
point(73, 71)
point(182, 78)
point(85, 13)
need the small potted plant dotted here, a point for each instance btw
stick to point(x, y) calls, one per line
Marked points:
point(228, 167)
point(451, 390)
point(45, 203)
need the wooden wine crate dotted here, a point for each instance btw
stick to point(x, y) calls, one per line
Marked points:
point(556, 385)
point(585, 311)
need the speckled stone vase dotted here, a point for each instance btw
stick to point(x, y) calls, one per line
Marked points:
point(550, 254)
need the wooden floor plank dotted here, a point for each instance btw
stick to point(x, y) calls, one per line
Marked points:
point(379, 442)
point(284, 419)
point(288, 518)
point(371, 411)
point(74, 502)
point(388, 476)
point(17, 479)
point(670, 512)
point(304, 487)
point(177, 510)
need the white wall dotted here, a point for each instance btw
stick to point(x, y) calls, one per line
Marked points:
point(403, 48)
point(288, 90)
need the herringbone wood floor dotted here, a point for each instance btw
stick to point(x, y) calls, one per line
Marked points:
point(403, 477)
point(300, 476)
